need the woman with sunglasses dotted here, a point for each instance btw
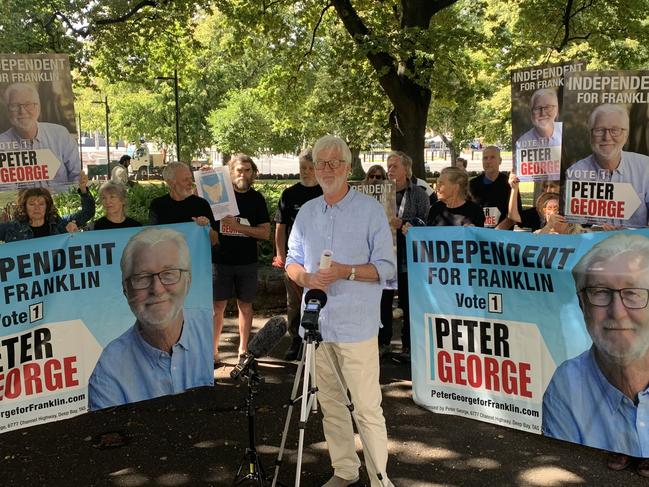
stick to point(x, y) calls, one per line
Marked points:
point(374, 175)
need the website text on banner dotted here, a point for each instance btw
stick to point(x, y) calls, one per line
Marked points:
point(78, 310)
point(542, 333)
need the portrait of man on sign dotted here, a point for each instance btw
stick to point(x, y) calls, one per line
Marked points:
point(601, 397)
point(38, 129)
point(169, 348)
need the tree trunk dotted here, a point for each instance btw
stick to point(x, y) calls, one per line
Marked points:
point(357, 169)
point(408, 124)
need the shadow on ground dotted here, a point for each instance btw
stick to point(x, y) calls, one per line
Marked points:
point(198, 439)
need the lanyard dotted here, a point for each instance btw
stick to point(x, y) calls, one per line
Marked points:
point(402, 206)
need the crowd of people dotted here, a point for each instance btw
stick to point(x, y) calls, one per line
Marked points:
point(320, 212)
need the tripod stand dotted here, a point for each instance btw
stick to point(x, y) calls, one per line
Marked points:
point(308, 403)
point(256, 472)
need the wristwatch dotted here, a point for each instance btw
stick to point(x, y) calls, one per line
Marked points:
point(352, 276)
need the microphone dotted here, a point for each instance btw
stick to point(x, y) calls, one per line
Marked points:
point(314, 301)
point(261, 344)
point(269, 336)
point(316, 295)
point(325, 259)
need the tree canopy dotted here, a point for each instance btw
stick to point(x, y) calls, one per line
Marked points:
point(273, 75)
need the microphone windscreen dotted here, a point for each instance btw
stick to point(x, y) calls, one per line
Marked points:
point(318, 294)
point(269, 336)
point(325, 259)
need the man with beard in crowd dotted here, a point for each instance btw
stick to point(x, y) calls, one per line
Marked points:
point(235, 269)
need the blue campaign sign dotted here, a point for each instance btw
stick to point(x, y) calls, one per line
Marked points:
point(541, 333)
point(71, 316)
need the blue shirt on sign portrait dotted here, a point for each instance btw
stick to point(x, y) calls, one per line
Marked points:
point(580, 405)
point(131, 370)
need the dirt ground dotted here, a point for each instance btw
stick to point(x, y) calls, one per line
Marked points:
point(199, 438)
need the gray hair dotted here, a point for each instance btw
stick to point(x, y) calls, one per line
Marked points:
point(18, 87)
point(149, 237)
point(405, 159)
point(543, 92)
point(114, 188)
point(306, 155)
point(169, 172)
point(332, 142)
point(614, 245)
point(608, 108)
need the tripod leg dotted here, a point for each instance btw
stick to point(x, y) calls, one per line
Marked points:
point(308, 394)
point(289, 413)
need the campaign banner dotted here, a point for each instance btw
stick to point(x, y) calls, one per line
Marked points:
point(386, 194)
point(605, 168)
point(38, 133)
point(528, 331)
point(69, 340)
point(216, 187)
point(536, 119)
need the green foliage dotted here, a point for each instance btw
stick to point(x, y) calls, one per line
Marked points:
point(272, 191)
point(139, 198)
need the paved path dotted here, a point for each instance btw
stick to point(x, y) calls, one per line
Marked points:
point(198, 439)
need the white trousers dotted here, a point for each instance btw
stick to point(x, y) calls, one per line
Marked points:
point(359, 366)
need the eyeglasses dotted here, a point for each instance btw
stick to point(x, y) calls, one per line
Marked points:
point(167, 277)
point(333, 164)
point(545, 108)
point(632, 297)
point(375, 176)
point(15, 107)
point(614, 132)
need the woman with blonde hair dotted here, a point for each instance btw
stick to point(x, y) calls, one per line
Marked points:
point(454, 206)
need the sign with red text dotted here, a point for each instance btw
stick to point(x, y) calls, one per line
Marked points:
point(38, 133)
point(606, 120)
point(536, 119)
point(63, 305)
point(498, 333)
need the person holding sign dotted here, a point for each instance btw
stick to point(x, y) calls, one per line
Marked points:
point(608, 126)
point(168, 349)
point(490, 190)
point(531, 218)
point(36, 215)
point(23, 106)
point(412, 204)
point(454, 208)
point(235, 259)
point(113, 198)
point(601, 397)
point(376, 175)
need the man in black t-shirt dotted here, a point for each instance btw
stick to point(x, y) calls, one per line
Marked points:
point(235, 270)
point(181, 204)
point(289, 204)
point(490, 189)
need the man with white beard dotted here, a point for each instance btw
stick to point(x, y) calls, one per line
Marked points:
point(168, 348)
point(601, 397)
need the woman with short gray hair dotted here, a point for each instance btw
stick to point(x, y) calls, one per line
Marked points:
point(113, 198)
